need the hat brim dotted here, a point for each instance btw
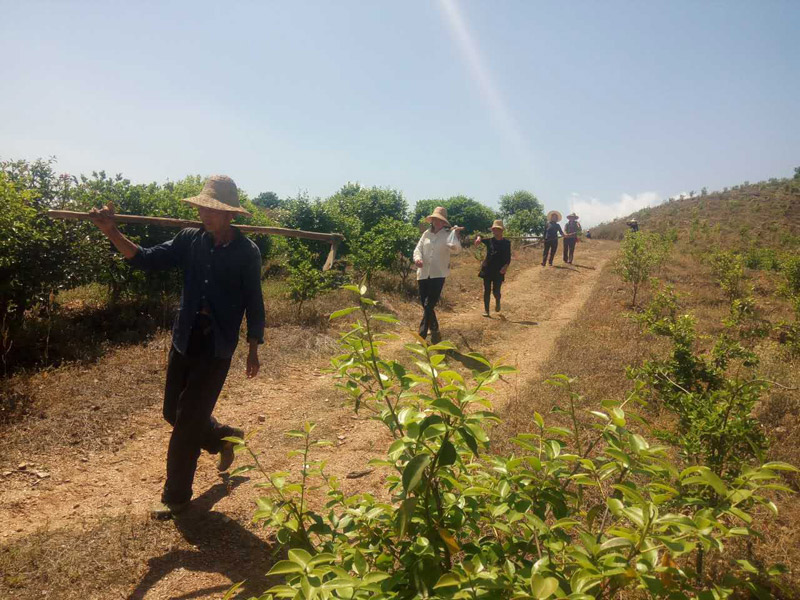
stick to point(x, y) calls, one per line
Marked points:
point(554, 212)
point(429, 217)
point(214, 204)
point(493, 227)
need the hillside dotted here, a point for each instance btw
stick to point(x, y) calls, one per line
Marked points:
point(763, 214)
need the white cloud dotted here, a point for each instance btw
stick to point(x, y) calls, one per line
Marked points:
point(593, 211)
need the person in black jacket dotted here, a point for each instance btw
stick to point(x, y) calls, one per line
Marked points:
point(493, 269)
point(551, 232)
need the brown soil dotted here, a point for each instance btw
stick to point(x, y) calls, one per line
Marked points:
point(81, 473)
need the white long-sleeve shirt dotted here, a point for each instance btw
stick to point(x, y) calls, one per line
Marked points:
point(434, 250)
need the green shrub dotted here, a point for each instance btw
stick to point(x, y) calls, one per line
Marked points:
point(389, 245)
point(578, 513)
point(640, 255)
point(461, 210)
point(715, 423)
point(728, 271)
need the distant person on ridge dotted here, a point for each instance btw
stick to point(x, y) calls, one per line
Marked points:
point(551, 231)
point(494, 266)
point(432, 259)
point(221, 282)
point(571, 231)
point(633, 224)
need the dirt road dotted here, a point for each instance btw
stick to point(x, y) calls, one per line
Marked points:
point(62, 492)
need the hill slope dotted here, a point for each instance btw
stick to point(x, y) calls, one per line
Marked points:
point(764, 214)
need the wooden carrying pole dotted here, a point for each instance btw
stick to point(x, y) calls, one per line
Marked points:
point(331, 238)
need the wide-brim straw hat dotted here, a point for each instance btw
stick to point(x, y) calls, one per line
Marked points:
point(440, 212)
point(498, 224)
point(572, 216)
point(219, 193)
point(553, 212)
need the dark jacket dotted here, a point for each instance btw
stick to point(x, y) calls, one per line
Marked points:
point(551, 231)
point(225, 280)
point(498, 255)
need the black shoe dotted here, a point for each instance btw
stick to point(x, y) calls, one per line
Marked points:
point(226, 454)
point(167, 510)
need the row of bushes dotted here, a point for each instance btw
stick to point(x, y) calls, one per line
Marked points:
point(40, 256)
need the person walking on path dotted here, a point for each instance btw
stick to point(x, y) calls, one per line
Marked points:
point(551, 232)
point(571, 231)
point(494, 266)
point(432, 259)
point(633, 224)
point(221, 283)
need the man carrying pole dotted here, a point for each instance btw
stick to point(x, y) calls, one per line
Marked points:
point(221, 283)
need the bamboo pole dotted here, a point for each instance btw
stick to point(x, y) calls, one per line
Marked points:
point(334, 239)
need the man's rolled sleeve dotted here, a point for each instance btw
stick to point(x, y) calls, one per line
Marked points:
point(254, 308)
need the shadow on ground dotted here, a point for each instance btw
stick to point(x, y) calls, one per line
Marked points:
point(221, 545)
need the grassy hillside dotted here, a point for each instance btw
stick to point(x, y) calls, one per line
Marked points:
point(759, 215)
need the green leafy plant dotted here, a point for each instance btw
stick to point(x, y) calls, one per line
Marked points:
point(728, 271)
point(640, 255)
point(715, 423)
point(580, 512)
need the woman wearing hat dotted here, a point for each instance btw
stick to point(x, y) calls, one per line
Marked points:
point(432, 258)
point(571, 229)
point(221, 283)
point(493, 269)
point(551, 231)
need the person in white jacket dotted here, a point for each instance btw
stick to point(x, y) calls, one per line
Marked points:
point(432, 258)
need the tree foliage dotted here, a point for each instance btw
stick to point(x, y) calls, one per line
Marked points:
point(461, 210)
point(523, 213)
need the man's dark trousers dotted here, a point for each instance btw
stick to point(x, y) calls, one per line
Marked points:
point(430, 290)
point(193, 385)
point(569, 249)
point(549, 246)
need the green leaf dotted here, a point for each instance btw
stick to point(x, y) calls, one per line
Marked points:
point(385, 318)
point(299, 556)
point(468, 439)
point(447, 407)
point(352, 288)
point(617, 542)
point(405, 514)
point(447, 580)
point(229, 594)
point(543, 587)
point(284, 567)
point(447, 454)
point(412, 474)
point(342, 313)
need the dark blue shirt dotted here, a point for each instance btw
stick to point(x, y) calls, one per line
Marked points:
point(225, 280)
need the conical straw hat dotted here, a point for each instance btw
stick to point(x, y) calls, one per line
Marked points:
point(219, 193)
point(440, 212)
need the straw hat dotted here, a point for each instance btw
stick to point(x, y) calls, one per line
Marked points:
point(219, 193)
point(572, 216)
point(554, 212)
point(498, 224)
point(440, 212)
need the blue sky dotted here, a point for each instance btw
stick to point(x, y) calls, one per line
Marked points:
point(599, 106)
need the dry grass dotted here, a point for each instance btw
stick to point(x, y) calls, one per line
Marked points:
point(105, 560)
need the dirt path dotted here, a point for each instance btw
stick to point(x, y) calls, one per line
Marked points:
point(78, 492)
